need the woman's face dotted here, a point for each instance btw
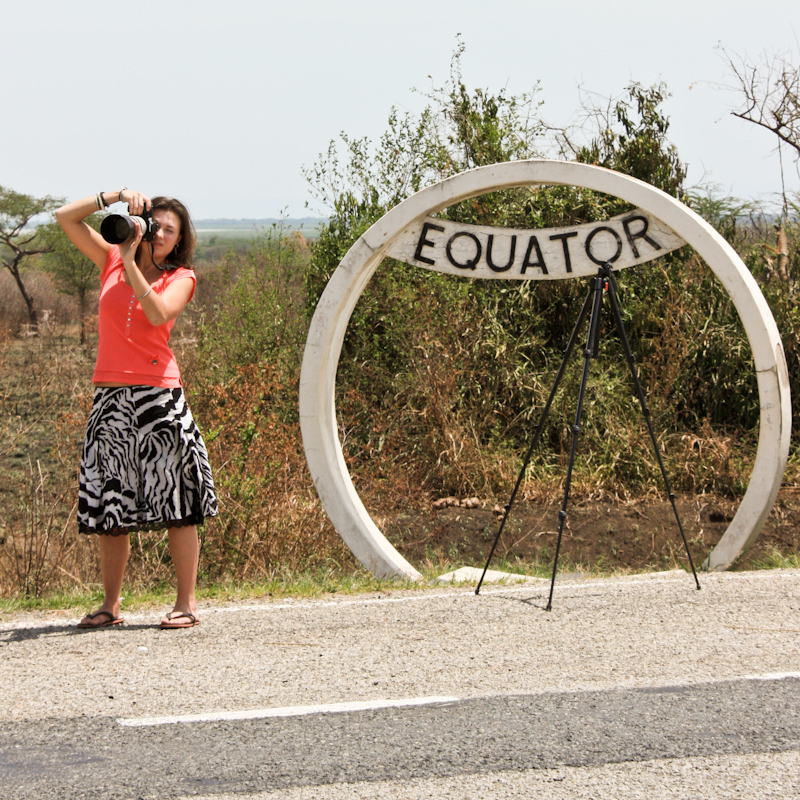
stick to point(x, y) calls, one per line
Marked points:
point(167, 235)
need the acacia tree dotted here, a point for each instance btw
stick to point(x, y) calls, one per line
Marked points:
point(17, 241)
point(75, 275)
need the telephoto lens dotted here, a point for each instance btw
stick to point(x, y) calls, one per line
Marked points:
point(118, 228)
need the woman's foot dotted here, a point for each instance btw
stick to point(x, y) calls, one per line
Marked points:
point(101, 618)
point(179, 619)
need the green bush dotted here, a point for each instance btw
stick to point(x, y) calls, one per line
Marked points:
point(454, 400)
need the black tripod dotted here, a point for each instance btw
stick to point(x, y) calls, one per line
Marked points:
point(605, 281)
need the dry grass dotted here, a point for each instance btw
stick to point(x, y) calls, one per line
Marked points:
point(426, 411)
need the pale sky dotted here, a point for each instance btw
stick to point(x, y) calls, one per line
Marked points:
point(221, 104)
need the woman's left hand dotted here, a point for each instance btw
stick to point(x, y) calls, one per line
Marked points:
point(127, 249)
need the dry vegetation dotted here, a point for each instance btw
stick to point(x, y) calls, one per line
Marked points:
point(440, 382)
point(448, 424)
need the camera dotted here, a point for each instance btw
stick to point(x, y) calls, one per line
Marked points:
point(118, 228)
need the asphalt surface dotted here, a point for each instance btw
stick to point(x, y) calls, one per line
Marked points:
point(633, 687)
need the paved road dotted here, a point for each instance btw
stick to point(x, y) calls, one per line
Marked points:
point(629, 688)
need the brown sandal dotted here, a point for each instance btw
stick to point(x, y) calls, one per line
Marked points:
point(112, 620)
point(168, 624)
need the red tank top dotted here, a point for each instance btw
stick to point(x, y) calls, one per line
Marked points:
point(131, 350)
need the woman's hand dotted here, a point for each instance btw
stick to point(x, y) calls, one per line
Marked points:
point(128, 248)
point(137, 202)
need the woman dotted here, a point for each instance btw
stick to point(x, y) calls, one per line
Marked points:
point(144, 464)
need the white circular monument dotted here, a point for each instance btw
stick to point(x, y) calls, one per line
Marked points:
point(659, 224)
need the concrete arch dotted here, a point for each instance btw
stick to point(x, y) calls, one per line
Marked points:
point(328, 326)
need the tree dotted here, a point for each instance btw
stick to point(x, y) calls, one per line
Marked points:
point(17, 241)
point(472, 373)
point(460, 130)
point(769, 92)
point(457, 131)
point(75, 275)
point(770, 95)
point(635, 141)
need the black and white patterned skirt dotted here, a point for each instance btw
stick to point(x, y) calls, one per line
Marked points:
point(144, 464)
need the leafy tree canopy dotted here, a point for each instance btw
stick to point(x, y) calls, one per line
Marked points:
point(459, 130)
point(18, 239)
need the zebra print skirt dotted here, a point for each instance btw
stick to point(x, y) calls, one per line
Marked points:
point(144, 464)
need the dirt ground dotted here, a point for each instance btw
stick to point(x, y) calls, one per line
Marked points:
point(597, 534)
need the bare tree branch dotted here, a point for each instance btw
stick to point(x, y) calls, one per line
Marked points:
point(770, 94)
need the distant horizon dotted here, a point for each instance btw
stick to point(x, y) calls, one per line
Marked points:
point(246, 222)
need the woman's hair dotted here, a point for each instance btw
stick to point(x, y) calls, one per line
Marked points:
point(183, 255)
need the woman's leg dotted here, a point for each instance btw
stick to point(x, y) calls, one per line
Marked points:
point(184, 546)
point(114, 552)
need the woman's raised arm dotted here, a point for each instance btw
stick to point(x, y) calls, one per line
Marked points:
point(71, 219)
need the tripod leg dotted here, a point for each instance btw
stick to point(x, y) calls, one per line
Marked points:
point(612, 293)
point(538, 432)
point(591, 343)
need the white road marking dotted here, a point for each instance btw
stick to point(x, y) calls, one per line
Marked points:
point(369, 705)
point(290, 711)
point(775, 676)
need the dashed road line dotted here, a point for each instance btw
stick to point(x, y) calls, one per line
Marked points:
point(289, 711)
point(371, 705)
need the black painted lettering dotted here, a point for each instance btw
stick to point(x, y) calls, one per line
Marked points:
point(424, 242)
point(640, 234)
point(533, 244)
point(511, 254)
point(471, 263)
point(588, 245)
point(564, 237)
